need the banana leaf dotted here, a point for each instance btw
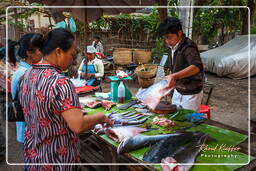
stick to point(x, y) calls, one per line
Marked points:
point(222, 136)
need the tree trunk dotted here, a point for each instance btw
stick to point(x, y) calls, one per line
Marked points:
point(244, 16)
point(252, 5)
point(163, 11)
point(86, 28)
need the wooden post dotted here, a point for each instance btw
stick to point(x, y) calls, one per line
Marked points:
point(162, 11)
point(86, 28)
point(15, 27)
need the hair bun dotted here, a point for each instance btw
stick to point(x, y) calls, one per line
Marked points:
point(37, 40)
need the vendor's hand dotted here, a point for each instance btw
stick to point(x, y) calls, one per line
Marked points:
point(171, 80)
point(107, 122)
point(90, 75)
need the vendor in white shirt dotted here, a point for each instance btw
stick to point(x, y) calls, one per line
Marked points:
point(91, 68)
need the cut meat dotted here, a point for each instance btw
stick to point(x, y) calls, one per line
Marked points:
point(93, 104)
point(107, 104)
point(161, 121)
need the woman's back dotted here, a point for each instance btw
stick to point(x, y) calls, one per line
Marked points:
point(44, 95)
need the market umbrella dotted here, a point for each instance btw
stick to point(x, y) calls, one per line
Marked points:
point(88, 15)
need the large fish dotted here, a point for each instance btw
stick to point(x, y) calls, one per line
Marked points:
point(167, 147)
point(191, 151)
point(151, 96)
point(139, 141)
point(118, 134)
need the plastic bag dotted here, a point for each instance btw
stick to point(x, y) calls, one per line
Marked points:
point(153, 94)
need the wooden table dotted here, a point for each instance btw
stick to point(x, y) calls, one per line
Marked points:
point(110, 155)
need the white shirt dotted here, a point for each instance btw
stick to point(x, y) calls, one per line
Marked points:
point(98, 65)
point(174, 49)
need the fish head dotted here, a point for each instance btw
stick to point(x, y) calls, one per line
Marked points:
point(170, 164)
point(111, 134)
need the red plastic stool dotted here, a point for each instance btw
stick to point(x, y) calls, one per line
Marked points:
point(206, 110)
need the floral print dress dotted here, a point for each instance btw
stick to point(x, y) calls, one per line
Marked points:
point(44, 93)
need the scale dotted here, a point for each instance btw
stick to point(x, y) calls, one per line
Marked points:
point(115, 81)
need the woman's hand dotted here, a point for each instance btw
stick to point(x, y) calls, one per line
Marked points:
point(106, 121)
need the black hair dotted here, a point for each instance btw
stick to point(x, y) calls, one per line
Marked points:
point(97, 37)
point(56, 38)
point(170, 25)
point(25, 44)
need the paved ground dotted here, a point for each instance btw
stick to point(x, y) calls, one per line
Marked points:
point(229, 104)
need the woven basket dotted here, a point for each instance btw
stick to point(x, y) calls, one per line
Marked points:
point(146, 82)
point(122, 49)
point(141, 56)
point(122, 57)
point(150, 72)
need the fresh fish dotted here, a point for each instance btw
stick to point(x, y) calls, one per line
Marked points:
point(118, 134)
point(130, 114)
point(191, 150)
point(157, 90)
point(127, 105)
point(113, 114)
point(100, 129)
point(131, 122)
point(120, 116)
point(166, 147)
point(142, 110)
point(139, 106)
point(139, 141)
point(137, 116)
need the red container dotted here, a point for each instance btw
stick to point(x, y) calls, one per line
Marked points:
point(206, 110)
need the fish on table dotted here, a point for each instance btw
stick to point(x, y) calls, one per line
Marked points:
point(118, 134)
point(167, 147)
point(157, 90)
point(127, 105)
point(139, 141)
point(185, 154)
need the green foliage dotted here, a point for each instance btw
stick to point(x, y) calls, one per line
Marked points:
point(209, 22)
point(17, 19)
point(159, 49)
point(253, 29)
point(134, 24)
point(130, 23)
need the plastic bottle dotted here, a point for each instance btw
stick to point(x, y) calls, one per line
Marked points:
point(121, 93)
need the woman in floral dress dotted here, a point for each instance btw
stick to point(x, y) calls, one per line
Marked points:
point(51, 107)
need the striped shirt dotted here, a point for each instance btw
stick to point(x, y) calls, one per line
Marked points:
point(44, 94)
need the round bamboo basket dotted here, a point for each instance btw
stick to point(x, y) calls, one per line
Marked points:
point(146, 71)
point(141, 56)
point(123, 56)
point(146, 82)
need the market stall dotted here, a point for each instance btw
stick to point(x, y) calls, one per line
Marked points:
point(224, 136)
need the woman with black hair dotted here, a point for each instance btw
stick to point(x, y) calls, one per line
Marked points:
point(29, 54)
point(51, 107)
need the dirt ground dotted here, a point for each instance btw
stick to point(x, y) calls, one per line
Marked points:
point(228, 103)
